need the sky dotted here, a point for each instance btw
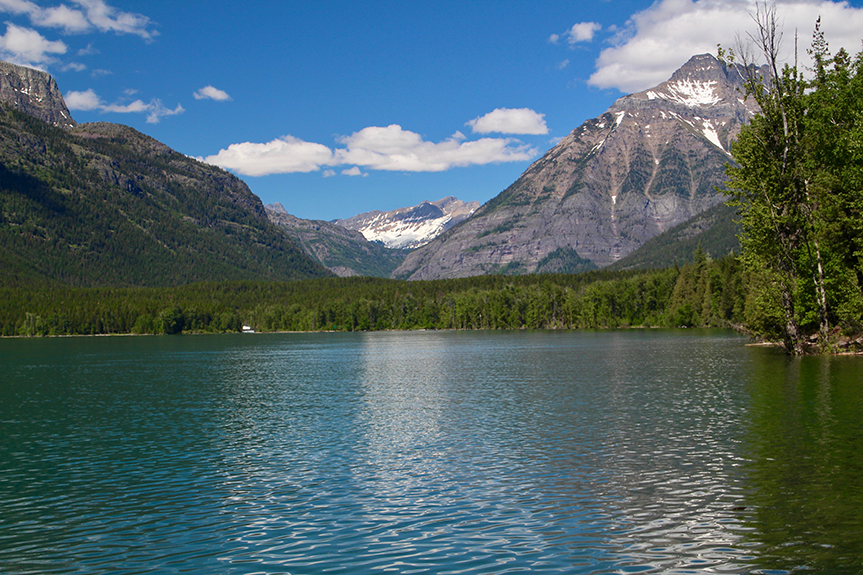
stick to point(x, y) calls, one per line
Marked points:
point(337, 108)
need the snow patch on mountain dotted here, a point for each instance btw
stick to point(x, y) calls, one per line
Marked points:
point(712, 136)
point(690, 93)
point(408, 228)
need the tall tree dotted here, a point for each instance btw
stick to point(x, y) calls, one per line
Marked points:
point(790, 164)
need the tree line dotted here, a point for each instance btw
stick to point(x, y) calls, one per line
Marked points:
point(706, 292)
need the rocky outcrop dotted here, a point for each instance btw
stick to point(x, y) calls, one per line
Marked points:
point(35, 93)
point(652, 161)
point(407, 228)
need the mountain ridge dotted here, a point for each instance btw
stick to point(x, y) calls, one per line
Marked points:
point(102, 204)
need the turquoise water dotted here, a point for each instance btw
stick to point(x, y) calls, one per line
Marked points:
point(428, 452)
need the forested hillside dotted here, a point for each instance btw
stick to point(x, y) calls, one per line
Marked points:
point(102, 204)
point(714, 229)
point(703, 293)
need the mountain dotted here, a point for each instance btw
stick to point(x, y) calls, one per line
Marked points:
point(344, 252)
point(102, 204)
point(407, 228)
point(35, 93)
point(652, 161)
point(714, 229)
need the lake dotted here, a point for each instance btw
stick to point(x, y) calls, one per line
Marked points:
point(640, 451)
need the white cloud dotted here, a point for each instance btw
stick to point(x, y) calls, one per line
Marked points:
point(658, 40)
point(61, 17)
point(378, 148)
point(582, 32)
point(510, 121)
point(88, 100)
point(137, 106)
point(394, 149)
point(57, 17)
point(93, 14)
point(280, 156)
point(109, 19)
point(211, 93)
point(28, 47)
point(554, 38)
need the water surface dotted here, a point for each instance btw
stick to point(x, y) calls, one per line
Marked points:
point(428, 452)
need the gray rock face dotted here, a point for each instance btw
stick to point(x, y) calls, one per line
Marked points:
point(650, 162)
point(34, 93)
point(407, 228)
point(344, 252)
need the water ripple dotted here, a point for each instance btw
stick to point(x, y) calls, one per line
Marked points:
point(366, 453)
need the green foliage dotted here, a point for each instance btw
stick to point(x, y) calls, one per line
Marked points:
point(799, 188)
point(102, 204)
point(564, 261)
point(705, 293)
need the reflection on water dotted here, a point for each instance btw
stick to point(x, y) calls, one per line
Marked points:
point(578, 452)
point(806, 470)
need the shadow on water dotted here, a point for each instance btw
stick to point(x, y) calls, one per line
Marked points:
point(805, 467)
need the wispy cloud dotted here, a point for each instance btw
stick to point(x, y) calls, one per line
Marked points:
point(510, 121)
point(658, 40)
point(389, 148)
point(211, 93)
point(89, 101)
point(88, 16)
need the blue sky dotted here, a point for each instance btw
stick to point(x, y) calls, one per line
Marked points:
point(336, 108)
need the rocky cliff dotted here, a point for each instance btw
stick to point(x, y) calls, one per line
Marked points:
point(35, 93)
point(650, 162)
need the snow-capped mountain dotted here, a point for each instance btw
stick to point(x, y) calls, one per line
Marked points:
point(407, 228)
point(652, 161)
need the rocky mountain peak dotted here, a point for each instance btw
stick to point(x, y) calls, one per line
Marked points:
point(35, 93)
point(652, 161)
point(702, 83)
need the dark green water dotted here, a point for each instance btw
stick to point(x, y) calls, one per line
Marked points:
point(500, 452)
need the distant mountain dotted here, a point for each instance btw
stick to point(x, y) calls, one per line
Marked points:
point(407, 228)
point(102, 204)
point(652, 161)
point(344, 252)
